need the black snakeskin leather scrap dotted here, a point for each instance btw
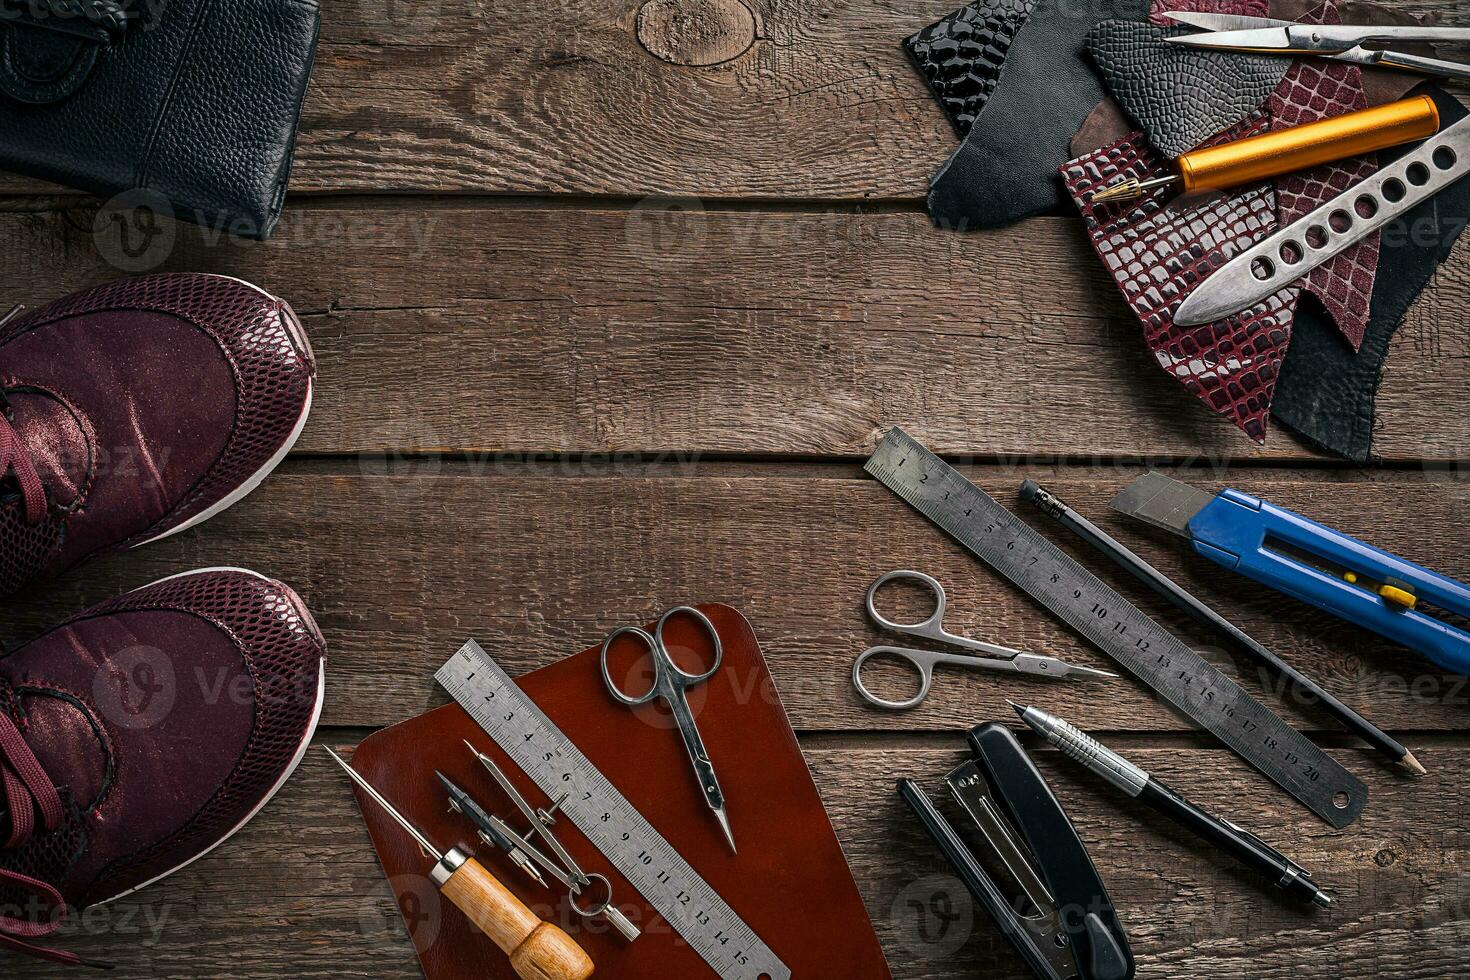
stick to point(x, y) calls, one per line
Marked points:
point(961, 56)
point(1180, 96)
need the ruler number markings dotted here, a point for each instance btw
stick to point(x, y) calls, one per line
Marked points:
point(609, 820)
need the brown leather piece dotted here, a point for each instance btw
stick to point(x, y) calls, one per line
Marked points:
point(789, 882)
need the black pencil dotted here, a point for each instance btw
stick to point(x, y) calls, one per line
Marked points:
point(1164, 586)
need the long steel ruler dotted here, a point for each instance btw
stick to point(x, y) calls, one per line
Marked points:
point(613, 825)
point(1087, 604)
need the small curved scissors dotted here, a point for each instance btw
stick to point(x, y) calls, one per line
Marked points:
point(671, 682)
point(924, 661)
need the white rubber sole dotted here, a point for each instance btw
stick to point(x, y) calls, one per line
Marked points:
point(316, 717)
point(298, 334)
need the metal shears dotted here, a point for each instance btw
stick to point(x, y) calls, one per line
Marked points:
point(671, 683)
point(1355, 43)
point(932, 628)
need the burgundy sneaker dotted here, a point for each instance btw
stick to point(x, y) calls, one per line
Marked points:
point(142, 734)
point(135, 410)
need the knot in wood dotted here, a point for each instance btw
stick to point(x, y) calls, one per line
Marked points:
point(696, 33)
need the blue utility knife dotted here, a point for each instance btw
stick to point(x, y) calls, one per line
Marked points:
point(1291, 554)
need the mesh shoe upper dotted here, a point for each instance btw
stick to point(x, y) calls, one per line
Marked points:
point(164, 719)
point(142, 405)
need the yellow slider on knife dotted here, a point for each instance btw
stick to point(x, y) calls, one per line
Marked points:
point(1285, 151)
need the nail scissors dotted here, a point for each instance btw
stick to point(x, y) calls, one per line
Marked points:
point(1341, 42)
point(670, 682)
point(924, 661)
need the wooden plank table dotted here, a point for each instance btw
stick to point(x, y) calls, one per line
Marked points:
point(610, 302)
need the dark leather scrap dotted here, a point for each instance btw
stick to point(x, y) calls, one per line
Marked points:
point(1159, 253)
point(1327, 393)
point(1180, 96)
point(1007, 167)
point(961, 55)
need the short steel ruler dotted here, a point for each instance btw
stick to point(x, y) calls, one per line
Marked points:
point(613, 825)
point(1087, 604)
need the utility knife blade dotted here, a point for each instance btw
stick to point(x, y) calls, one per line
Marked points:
point(1325, 568)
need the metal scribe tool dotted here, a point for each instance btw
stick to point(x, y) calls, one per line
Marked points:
point(538, 950)
point(1158, 658)
point(605, 817)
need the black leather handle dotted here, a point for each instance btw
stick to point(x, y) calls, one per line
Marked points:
point(102, 21)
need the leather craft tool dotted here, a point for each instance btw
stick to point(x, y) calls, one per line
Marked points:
point(1062, 922)
point(1322, 567)
point(1286, 255)
point(612, 824)
point(1284, 151)
point(564, 868)
point(924, 661)
point(1151, 653)
point(1354, 43)
point(1160, 583)
point(1240, 844)
point(537, 950)
point(491, 830)
point(671, 684)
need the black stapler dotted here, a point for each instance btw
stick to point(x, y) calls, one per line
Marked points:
point(1062, 922)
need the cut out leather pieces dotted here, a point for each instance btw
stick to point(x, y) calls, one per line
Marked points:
point(1316, 88)
point(961, 55)
point(1180, 96)
point(1007, 167)
point(1158, 255)
point(1327, 393)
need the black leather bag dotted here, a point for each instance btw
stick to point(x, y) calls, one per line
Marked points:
point(190, 102)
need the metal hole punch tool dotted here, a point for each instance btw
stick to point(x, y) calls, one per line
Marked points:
point(1322, 567)
point(1062, 920)
point(538, 950)
point(671, 684)
point(564, 869)
point(1359, 44)
point(1288, 254)
point(924, 661)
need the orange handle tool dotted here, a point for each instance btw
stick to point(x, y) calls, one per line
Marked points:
point(1286, 151)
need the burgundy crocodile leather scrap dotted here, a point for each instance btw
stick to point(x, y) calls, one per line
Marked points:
point(1318, 89)
point(1158, 254)
point(1247, 8)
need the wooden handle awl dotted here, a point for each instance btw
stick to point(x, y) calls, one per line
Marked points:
point(538, 950)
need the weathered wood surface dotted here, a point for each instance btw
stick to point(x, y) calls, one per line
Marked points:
point(299, 892)
point(539, 563)
point(804, 98)
point(609, 301)
point(789, 334)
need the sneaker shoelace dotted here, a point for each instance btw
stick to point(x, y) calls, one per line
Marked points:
point(15, 460)
point(24, 789)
